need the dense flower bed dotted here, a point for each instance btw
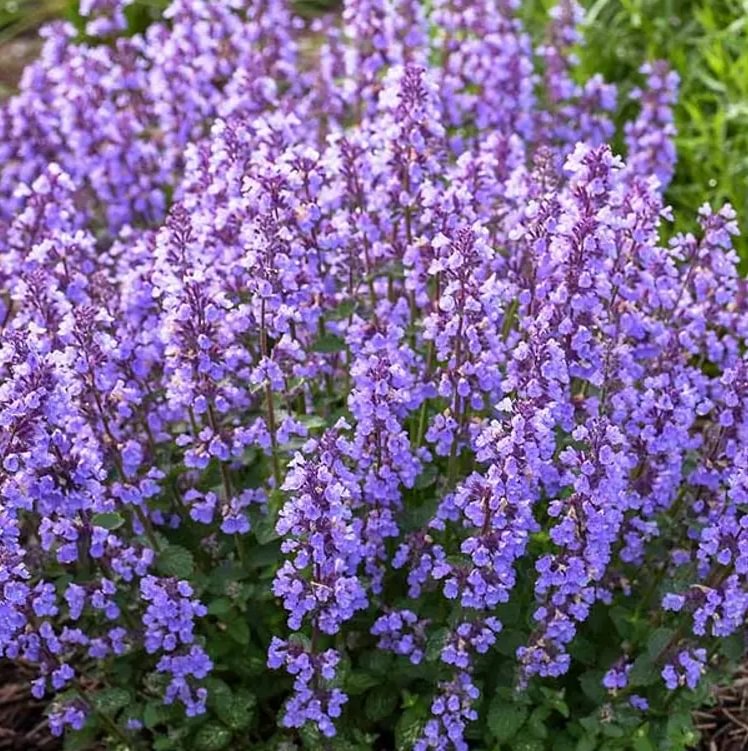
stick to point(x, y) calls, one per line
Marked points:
point(349, 396)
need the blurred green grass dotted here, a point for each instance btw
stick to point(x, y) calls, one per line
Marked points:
point(706, 41)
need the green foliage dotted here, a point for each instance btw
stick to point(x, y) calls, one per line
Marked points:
point(706, 41)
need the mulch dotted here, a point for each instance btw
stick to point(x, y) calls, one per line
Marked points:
point(724, 726)
point(23, 725)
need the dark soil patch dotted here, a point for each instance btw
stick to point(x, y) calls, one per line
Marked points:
point(23, 725)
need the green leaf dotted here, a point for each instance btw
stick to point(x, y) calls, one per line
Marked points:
point(680, 730)
point(260, 556)
point(537, 724)
point(380, 703)
point(165, 743)
point(621, 618)
point(658, 640)
point(586, 743)
point(218, 691)
point(528, 744)
point(611, 730)
point(377, 661)
point(238, 630)
point(641, 741)
point(265, 529)
point(427, 477)
point(310, 736)
point(81, 740)
point(359, 682)
point(733, 647)
point(174, 560)
point(554, 699)
point(505, 719)
point(239, 711)
point(220, 606)
point(410, 726)
point(313, 422)
point(212, 737)
point(345, 309)
point(435, 643)
point(155, 713)
point(583, 650)
point(643, 672)
point(109, 701)
point(509, 640)
point(329, 343)
point(591, 683)
point(108, 520)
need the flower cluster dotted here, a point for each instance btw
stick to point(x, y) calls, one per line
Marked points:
point(373, 340)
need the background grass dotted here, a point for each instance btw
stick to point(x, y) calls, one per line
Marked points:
point(706, 41)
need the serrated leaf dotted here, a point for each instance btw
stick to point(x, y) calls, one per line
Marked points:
point(435, 644)
point(174, 560)
point(555, 700)
point(505, 719)
point(537, 723)
point(212, 737)
point(380, 703)
point(108, 520)
point(155, 713)
point(218, 691)
point(238, 712)
point(410, 726)
point(110, 700)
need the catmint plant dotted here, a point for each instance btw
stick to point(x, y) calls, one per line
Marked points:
point(351, 394)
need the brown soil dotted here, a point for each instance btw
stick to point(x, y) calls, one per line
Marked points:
point(724, 726)
point(23, 726)
point(15, 54)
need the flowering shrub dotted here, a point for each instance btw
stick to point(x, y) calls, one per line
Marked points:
point(350, 399)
